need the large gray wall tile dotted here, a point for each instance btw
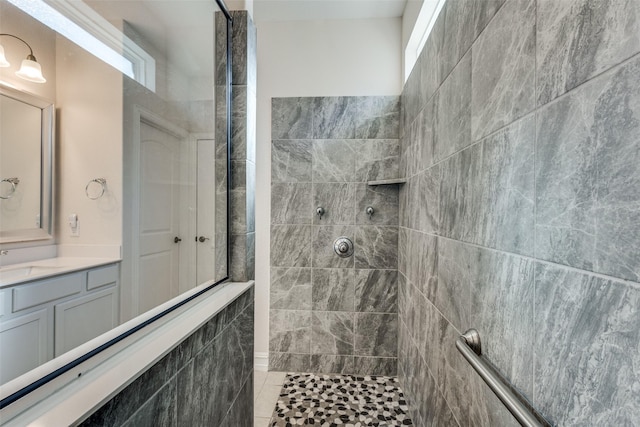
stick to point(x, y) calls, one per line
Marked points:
point(579, 39)
point(322, 245)
point(501, 309)
point(333, 289)
point(484, 12)
point(333, 161)
point(384, 201)
point(376, 247)
point(338, 201)
point(291, 118)
point(456, 274)
point(376, 159)
point(587, 178)
point(332, 364)
point(427, 200)
point(335, 117)
point(421, 268)
point(291, 203)
point(587, 348)
point(377, 117)
point(376, 334)
point(332, 333)
point(376, 291)
point(459, 33)
point(461, 195)
point(291, 245)
point(506, 219)
point(290, 288)
point(453, 124)
point(503, 69)
point(289, 362)
point(289, 331)
point(291, 161)
point(376, 365)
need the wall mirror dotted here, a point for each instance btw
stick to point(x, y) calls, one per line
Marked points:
point(26, 144)
point(135, 215)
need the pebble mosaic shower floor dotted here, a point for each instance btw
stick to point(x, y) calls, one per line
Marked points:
point(340, 400)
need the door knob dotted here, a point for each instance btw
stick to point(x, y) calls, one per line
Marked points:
point(177, 239)
point(201, 239)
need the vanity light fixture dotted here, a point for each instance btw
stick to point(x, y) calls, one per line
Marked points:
point(29, 70)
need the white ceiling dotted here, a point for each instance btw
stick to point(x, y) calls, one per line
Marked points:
point(300, 10)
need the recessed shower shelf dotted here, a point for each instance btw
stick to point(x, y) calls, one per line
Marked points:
point(388, 181)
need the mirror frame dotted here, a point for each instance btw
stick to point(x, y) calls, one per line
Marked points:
point(179, 301)
point(47, 148)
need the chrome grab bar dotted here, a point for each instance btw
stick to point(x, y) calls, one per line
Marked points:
point(469, 345)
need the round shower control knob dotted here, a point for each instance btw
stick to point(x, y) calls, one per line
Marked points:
point(343, 246)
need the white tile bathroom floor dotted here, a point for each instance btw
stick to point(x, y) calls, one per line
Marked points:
point(266, 389)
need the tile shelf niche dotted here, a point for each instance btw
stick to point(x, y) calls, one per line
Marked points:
point(387, 181)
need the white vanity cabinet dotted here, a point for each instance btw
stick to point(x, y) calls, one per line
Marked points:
point(45, 318)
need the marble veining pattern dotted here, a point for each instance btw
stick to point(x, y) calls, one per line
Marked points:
point(550, 173)
point(377, 247)
point(291, 118)
point(334, 117)
point(453, 123)
point(579, 39)
point(376, 291)
point(333, 289)
point(352, 140)
point(585, 357)
point(503, 69)
point(377, 117)
point(506, 219)
point(333, 161)
point(337, 199)
point(376, 159)
point(291, 203)
point(290, 288)
point(290, 331)
point(588, 202)
point(291, 161)
point(385, 200)
point(332, 332)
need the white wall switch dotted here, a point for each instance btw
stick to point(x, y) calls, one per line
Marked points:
point(74, 224)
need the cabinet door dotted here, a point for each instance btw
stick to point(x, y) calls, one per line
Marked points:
point(82, 319)
point(24, 344)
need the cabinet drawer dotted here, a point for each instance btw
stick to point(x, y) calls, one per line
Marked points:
point(102, 276)
point(43, 291)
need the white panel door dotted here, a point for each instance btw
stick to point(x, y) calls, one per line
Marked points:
point(206, 210)
point(159, 219)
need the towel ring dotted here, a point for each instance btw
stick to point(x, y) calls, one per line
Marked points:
point(14, 184)
point(103, 186)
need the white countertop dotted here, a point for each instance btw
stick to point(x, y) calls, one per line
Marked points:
point(27, 271)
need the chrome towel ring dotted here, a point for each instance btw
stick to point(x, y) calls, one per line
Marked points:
point(14, 184)
point(94, 193)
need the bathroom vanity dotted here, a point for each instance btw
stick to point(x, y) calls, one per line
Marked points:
point(51, 306)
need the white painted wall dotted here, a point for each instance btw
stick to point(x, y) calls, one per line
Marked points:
point(313, 58)
point(89, 104)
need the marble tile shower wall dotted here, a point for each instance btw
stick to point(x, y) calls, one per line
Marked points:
point(520, 129)
point(330, 314)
